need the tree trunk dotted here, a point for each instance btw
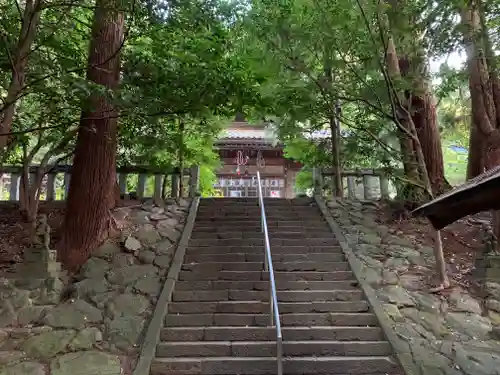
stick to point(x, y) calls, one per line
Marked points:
point(424, 115)
point(475, 162)
point(338, 189)
point(484, 92)
point(93, 177)
point(409, 132)
point(425, 119)
point(30, 22)
point(181, 159)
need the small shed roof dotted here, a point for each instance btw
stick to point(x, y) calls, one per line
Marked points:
point(481, 193)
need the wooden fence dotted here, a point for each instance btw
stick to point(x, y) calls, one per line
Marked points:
point(56, 182)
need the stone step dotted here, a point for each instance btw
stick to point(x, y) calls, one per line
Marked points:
point(296, 319)
point(193, 257)
point(327, 241)
point(257, 266)
point(264, 285)
point(253, 201)
point(256, 227)
point(257, 217)
point(347, 333)
point(268, 348)
point(359, 365)
point(227, 210)
point(261, 295)
point(258, 234)
point(271, 223)
point(259, 250)
point(257, 307)
point(263, 275)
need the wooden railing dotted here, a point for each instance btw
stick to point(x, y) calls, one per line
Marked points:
point(359, 183)
point(56, 182)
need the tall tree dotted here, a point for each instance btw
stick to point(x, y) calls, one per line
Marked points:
point(19, 63)
point(483, 86)
point(91, 191)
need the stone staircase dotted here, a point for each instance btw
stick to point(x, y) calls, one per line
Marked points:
point(218, 320)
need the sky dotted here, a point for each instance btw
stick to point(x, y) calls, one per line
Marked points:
point(455, 60)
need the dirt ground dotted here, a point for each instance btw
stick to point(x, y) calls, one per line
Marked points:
point(14, 233)
point(461, 240)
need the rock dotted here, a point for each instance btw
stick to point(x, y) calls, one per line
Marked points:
point(130, 274)
point(370, 238)
point(17, 298)
point(393, 312)
point(100, 299)
point(369, 261)
point(390, 277)
point(73, 315)
point(494, 317)
point(107, 250)
point(493, 304)
point(429, 302)
point(146, 256)
point(10, 357)
point(88, 287)
point(132, 244)
point(464, 302)
point(149, 285)
point(476, 362)
point(24, 368)
point(46, 345)
point(124, 331)
point(396, 295)
point(474, 326)
point(8, 315)
point(128, 304)
point(163, 261)
point(86, 338)
point(411, 282)
point(372, 276)
point(397, 264)
point(86, 363)
point(170, 233)
point(122, 260)
point(30, 315)
point(171, 222)
point(140, 217)
point(395, 240)
point(431, 322)
point(164, 247)
point(94, 268)
point(4, 335)
point(148, 235)
point(158, 216)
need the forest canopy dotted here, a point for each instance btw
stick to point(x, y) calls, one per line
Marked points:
point(410, 87)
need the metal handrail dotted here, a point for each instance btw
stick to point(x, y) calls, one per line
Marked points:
point(273, 297)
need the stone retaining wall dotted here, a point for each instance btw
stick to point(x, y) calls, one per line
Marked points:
point(98, 327)
point(442, 336)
